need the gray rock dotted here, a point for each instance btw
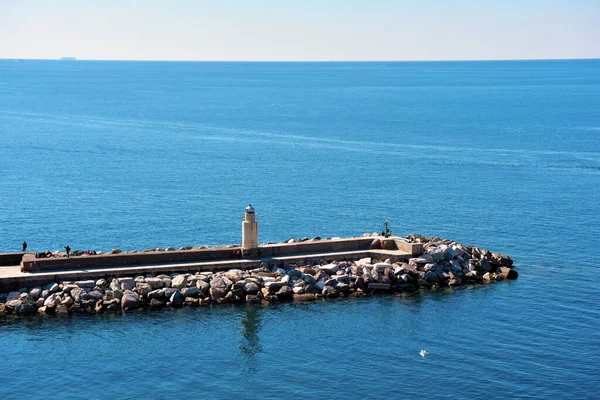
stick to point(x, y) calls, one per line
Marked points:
point(39, 302)
point(130, 300)
point(176, 298)
point(329, 269)
point(126, 283)
point(95, 295)
point(101, 282)
point(155, 283)
point(62, 309)
point(273, 287)
point(218, 283)
point(204, 287)
point(78, 294)
point(52, 287)
point(12, 304)
point(13, 296)
point(251, 288)
point(190, 292)
point(35, 293)
point(309, 279)
point(179, 282)
point(217, 293)
point(51, 301)
point(118, 294)
point(143, 288)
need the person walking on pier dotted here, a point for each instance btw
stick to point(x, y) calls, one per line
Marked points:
point(24, 246)
point(68, 250)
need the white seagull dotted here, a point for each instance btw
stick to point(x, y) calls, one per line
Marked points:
point(423, 352)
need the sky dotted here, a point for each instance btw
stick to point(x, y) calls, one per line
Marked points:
point(299, 30)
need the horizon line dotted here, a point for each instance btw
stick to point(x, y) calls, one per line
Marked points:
point(73, 59)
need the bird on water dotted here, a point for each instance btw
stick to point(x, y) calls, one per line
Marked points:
point(423, 352)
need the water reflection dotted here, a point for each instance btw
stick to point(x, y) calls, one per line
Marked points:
point(250, 342)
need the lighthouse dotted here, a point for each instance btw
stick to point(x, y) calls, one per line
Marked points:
point(249, 229)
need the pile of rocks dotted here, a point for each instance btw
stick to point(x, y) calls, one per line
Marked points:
point(444, 263)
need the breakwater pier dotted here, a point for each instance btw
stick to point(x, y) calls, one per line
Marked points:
point(298, 269)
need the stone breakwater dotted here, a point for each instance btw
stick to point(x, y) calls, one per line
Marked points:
point(444, 263)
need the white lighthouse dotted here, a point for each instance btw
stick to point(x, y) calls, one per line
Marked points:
point(249, 229)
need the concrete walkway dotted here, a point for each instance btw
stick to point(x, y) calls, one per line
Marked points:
point(11, 278)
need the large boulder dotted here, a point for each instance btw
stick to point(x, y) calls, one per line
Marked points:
point(130, 300)
point(507, 273)
point(179, 282)
point(126, 283)
point(12, 304)
point(234, 275)
point(155, 283)
point(143, 288)
point(176, 299)
point(203, 286)
point(78, 294)
point(190, 292)
point(13, 296)
point(251, 288)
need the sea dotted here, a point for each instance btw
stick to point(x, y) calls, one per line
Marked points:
point(504, 155)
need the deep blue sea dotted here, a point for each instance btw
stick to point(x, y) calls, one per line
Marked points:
point(504, 155)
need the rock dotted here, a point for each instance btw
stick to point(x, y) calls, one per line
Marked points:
point(126, 283)
point(176, 299)
point(115, 251)
point(101, 282)
point(329, 291)
point(309, 279)
point(2, 310)
point(155, 283)
point(284, 293)
point(35, 293)
point(13, 296)
point(190, 292)
point(157, 303)
point(449, 253)
point(39, 302)
point(130, 300)
point(143, 288)
point(25, 308)
point(52, 288)
point(78, 294)
point(234, 275)
point(305, 297)
point(51, 301)
point(251, 288)
point(507, 273)
point(114, 284)
point(12, 304)
point(86, 284)
point(95, 295)
point(67, 301)
point(42, 310)
point(217, 293)
point(204, 287)
point(320, 285)
point(218, 283)
point(179, 282)
point(191, 301)
point(273, 287)
point(329, 269)
point(118, 294)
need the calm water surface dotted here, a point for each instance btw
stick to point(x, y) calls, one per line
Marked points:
point(505, 155)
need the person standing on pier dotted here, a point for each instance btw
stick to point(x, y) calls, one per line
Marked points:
point(68, 250)
point(24, 246)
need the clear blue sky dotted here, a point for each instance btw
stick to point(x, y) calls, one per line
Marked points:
point(299, 30)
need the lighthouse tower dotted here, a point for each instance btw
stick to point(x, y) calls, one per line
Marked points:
point(249, 229)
